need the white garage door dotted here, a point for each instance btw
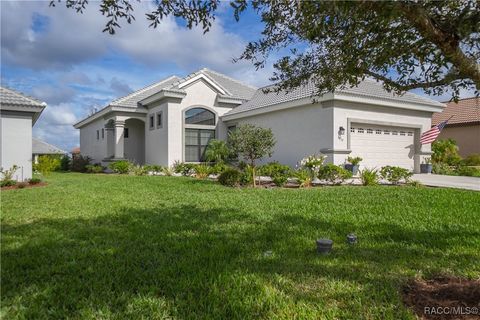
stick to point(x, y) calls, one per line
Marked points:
point(380, 145)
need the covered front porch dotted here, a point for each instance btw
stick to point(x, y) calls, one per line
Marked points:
point(125, 136)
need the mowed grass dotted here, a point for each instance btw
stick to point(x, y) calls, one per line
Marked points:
point(126, 247)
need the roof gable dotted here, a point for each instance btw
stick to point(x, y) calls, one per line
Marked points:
point(133, 98)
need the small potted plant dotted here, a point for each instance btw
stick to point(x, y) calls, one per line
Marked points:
point(426, 166)
point(353, 164)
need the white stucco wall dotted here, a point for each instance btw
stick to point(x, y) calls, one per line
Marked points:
point(89, 145)
point(299, 131)
point(156, 139)
point(199, 94)
point(16, 143)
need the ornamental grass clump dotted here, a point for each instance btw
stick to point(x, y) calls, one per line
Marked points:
point(304, 178)
point(202, 171)
point(369, 177)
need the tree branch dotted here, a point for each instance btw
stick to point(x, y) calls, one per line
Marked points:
point(446, 42)
point(417, 85)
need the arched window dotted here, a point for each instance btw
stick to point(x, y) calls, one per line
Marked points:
point(200, 116)
point(199, 130)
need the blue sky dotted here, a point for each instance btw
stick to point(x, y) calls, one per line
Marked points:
point(64, 59)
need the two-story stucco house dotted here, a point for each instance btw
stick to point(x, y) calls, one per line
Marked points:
point(175, 118)
point(18, 115)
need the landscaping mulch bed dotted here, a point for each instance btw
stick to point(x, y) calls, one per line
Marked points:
point(443, 297)
point(41, 184)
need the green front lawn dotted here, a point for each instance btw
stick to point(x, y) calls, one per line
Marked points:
point(121, 247)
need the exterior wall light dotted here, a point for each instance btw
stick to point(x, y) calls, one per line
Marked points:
point(341, 131)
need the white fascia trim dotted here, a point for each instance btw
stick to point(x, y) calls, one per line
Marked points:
point(277, 107)
point(105, 111)
point(161, 95)
point(230, 100)
point(36, 110)
point(342, 96)
point(207, 79)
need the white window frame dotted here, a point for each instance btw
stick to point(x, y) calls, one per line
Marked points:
point(151, 121)
point(159, 125)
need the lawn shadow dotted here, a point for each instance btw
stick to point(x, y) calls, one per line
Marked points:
point(200, 263)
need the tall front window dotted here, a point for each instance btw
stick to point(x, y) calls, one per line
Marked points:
point(199, 130)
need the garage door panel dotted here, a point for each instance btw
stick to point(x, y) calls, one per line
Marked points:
point(382, 145)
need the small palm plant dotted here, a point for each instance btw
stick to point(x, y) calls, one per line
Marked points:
point(217, 151)
point(369, 177)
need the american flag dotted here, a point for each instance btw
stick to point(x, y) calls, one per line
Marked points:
point(432, 134)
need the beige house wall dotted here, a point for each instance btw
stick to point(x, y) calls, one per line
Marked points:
point(466, 136)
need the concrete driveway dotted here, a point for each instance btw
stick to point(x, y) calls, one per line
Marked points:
point(436, 180)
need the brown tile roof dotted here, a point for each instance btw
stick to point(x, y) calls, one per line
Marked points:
point(75, 150)
point(465, 111)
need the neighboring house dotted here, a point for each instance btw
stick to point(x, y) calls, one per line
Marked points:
point(75, 152)
point(41, 148)
point(174, 119)
point(18, 115)
point(464, 126)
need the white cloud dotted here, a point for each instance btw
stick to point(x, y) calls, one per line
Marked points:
point(70, 38)
point(55, 125)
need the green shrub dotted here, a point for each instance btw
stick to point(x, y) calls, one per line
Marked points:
point(121, 167)
point(138, 170)
point(46, 164)
point(242, 165)
point(230, 177)
point(369, 177)
point(65, 163)
point(395, 174)
point(443, 168)
point(334, 174)
point(79, 163)
point(185, 169)
point(304, 178)
point(34, 181)
point(274, 168)
point(445, 151)
point(467, 171)
point(472, 160)
point(202, 171)
point(21, 185)
point(312, 164)
point(218, 168)
point(94, 168)
point(7, 183)
point(280, 179)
